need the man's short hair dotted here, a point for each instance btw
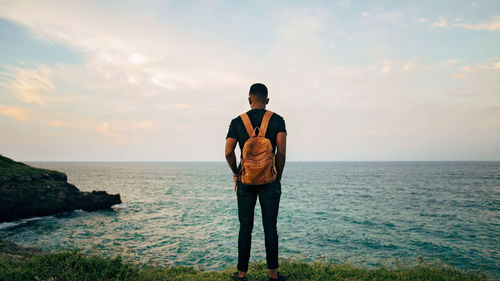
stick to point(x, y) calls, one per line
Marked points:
point(259, 90)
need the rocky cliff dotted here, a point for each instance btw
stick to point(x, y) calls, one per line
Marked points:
point(12, 250)
point(28, 192)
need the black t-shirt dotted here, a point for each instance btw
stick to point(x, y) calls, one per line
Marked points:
point(238, 131)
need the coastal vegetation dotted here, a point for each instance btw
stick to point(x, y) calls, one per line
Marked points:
point(18, 263)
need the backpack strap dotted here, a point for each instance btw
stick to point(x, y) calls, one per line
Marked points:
point(248, 124)
point(265, 123)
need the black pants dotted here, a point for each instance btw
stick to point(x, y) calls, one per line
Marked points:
point(269, 198)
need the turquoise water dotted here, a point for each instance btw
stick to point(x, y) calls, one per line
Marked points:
point(186, 213)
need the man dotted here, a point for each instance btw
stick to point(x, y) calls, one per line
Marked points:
point(268, 194)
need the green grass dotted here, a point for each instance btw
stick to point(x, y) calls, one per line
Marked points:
point(78, 266)
point(10, 168)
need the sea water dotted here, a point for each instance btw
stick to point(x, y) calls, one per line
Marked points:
point(185, 213)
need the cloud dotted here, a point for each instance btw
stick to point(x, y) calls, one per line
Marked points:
point(478, 70)
point(491, 25)
point(459, 76)
point(105, 129)
point(134, 50)
point(19, 113)
point(386, 67)
point(27, 83)
point(441, 23)
point(466, 68)
point(422, 20)
point(137, 58)
point(143, 126)
point(448, 62)
point(410, 64)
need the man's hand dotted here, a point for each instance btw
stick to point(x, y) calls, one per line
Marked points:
point(235, 177)
point(280, 153)
point(231, 158)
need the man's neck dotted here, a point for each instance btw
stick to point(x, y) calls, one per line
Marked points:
point(258, 106)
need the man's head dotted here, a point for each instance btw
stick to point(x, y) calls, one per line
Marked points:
point(258, 95)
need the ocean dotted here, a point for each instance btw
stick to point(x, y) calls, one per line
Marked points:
point(185, 213)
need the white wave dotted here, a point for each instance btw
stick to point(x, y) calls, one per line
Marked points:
point(6, 225)
point(119, 206)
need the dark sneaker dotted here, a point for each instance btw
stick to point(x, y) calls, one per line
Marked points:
point(236, 278)
point(280, 278)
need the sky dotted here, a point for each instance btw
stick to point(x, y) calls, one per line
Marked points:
point(161, 80)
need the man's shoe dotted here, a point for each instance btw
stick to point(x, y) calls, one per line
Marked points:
point(236, 278)
point(280, 278)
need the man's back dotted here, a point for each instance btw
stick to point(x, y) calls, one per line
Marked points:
point(237, 128)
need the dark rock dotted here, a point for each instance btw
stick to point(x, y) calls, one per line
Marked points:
point(22, 178)
point(12, 250)
point(31, 192)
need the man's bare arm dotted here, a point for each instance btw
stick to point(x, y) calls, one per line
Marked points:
point(280, 153)
point(230, 156)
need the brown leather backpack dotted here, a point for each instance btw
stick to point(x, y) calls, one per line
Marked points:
point(257, 157)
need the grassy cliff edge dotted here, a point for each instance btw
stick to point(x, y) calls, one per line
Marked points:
point(74, 265)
